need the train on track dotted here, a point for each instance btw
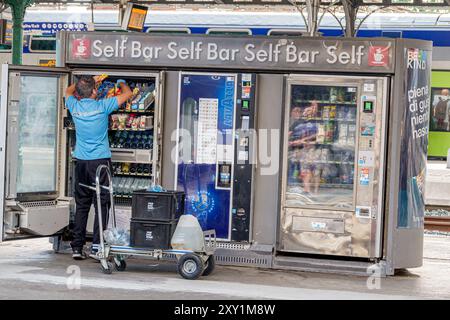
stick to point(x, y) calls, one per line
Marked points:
point(41, 26)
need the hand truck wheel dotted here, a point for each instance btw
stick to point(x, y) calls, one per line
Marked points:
point(108, 268)
point(190, 266)
point(120, 265)
point(210, 266)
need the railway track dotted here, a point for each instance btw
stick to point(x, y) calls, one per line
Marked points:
point(435, 223)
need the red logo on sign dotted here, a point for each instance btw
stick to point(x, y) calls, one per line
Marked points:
point(81, 48)
point(378, 56)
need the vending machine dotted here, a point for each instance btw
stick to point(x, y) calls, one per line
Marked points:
point(338, 179)
point(214, 150)
point(332, 180)
point(37, 141)
point(133, 131)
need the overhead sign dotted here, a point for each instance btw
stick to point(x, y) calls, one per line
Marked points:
point(51, 28)
point(261, 53)
point(5, 31)
point(134, 17)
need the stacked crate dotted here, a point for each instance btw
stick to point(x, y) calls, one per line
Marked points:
point(154, 218)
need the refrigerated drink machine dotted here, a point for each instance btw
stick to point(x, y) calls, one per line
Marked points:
point(216, 121)
point(302, 153)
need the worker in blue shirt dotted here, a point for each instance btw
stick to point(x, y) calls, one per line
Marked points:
point(91, 150)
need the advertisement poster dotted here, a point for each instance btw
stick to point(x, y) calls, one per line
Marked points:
point(206, 113)
point(413, 154)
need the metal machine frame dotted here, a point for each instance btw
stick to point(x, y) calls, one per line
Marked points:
point(299, 79)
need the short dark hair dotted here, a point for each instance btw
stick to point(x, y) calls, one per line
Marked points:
point(85, 86)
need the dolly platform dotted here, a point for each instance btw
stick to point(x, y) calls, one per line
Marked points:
point(191, 265)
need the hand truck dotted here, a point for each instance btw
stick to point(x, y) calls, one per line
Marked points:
point(190, 265)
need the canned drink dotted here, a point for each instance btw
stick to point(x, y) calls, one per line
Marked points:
point(329, 132)
point(332, 112)
point(351, 134)
point(326, 112)
point(341, 115)
point(333, 95)
point(320, 133)
point(343, 128)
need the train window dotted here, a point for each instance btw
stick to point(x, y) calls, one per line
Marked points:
point(170, 31)
point(392, 34)
point(229, 32)
point(443, 20)
point(107, 29)
point(440, 109)
point(285, 32)
point(42, 44)
point(5, 47)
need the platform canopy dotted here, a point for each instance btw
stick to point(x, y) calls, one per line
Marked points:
point(428, 3)
point(310, 10)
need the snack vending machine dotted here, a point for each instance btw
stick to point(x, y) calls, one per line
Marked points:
point(133, 133)
point(333, 166)
point(37, 140)
point(215, 150)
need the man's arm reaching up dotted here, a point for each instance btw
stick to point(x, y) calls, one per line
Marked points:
point(70, 91)
point(126, 92)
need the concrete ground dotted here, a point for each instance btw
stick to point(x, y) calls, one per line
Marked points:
point(437, 184)
point(30, 270)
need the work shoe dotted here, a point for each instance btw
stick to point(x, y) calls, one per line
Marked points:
point(78, 254)
point(93, 254)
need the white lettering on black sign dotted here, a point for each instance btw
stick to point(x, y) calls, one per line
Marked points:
point(257, 52)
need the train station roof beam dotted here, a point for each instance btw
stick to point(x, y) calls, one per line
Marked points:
point(383, 3)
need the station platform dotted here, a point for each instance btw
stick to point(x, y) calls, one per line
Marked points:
point(437, 184)
point(30, 270)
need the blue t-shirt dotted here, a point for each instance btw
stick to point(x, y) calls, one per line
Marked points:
point(91, 123)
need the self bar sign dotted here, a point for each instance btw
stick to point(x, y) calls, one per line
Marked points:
point(232, 52)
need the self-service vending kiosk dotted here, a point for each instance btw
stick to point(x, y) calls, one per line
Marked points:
point(302, 153)
point(216, 121)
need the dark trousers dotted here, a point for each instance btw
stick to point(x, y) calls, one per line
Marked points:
point(84, 197)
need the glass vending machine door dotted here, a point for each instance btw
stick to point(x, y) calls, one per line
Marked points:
point(321, 146)
point(31, 113)
point(37, 133)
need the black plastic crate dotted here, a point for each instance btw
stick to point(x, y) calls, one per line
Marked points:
point(151, 234)
point(164, 206)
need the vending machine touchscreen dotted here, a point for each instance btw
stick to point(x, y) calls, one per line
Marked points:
point(216, 115)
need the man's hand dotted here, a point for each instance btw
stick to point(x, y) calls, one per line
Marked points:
point(70, 91)
point(126, 92)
